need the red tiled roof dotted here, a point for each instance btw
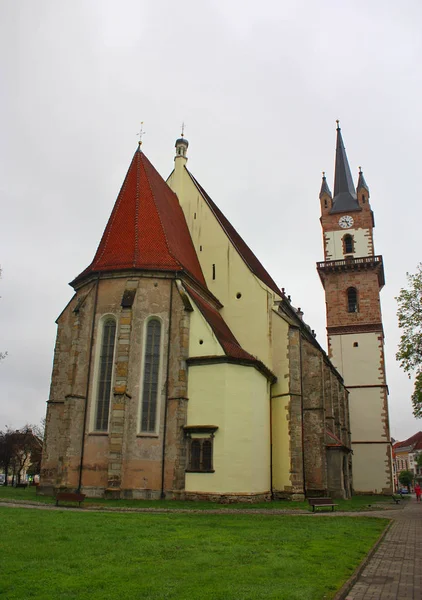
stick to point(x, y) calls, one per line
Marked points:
point(241, 246)
point(414, 440)
point(220, 328)
point(147, 229)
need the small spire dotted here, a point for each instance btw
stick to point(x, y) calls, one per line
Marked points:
point(181, 145)
point(361, 181)
point(338, 125)
point(324, 187)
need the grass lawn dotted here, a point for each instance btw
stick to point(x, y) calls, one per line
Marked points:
point(356, 503)
point(69, 555)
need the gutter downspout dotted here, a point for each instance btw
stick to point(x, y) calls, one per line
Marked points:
point(301, 409)
point(163, 494)
point(87, 384)
point(271, 443)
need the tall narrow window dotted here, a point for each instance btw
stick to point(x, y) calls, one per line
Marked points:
point(348, 244)
point(352, 300)
point(151, 368)
point(105, 374)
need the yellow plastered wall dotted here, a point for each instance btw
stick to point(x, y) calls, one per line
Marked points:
point(248, 316)
point(359, 365)
point(366, 414)
point(367, 474)
point(236, 399)
point(334, 243)
point(280, 404)
point(200, 331)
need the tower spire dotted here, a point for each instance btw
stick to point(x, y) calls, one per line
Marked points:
point(361, 181)
point(324, 186)
point(344, 191)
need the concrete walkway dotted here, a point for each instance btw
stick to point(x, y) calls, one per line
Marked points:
point(395, 569)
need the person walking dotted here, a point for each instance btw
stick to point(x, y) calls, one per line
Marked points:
point(418, 492)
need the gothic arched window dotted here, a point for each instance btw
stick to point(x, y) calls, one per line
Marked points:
point(352, 300)
point(105, 374)
point(348, 244)
point(150, 381)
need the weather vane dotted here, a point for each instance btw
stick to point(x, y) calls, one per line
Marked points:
point(141, 133)
point(183, 128)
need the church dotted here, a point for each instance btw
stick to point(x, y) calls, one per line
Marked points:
point(182, 371)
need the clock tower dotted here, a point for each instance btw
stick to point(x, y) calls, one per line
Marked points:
point(352, 276)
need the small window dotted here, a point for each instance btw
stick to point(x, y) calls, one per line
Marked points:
point(352, 300)
point(213, 271)
point(200, 440)
point(325, 203)
point(200, 455)
point(363, 199)
point(348, 244)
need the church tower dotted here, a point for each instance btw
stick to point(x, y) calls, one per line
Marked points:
point(352, 276)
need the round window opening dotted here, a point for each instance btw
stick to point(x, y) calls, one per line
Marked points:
point(238, 295)
point(201, 341)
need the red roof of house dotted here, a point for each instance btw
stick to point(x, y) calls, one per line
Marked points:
point(241, 246)
point(147, 229)
point(415, 441)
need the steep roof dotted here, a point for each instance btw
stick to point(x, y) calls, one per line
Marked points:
point(147, 229)
point(241, 246)
point(324, 187)
point(344, 199)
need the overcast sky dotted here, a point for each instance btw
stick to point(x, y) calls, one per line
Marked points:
point(259, 86)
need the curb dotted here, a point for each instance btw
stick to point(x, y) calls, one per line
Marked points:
point(346, 587)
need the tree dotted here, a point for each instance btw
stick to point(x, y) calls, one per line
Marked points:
point(20, 450)
point(406, 478)
point(409, 353)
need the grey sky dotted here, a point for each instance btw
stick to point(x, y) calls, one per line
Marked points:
point(259, 86)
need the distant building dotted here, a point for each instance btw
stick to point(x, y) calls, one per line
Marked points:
point(405, 457)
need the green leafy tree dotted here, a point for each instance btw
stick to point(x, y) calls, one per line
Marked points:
point(406, 478)
point(410, 322)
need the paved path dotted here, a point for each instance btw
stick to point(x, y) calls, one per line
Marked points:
point(395, 569)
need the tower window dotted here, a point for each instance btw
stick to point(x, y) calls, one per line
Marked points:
point(363, 199)
point(348, 245)
point(213, 271)
point(105, 374)
point(150, 383)
point(325, 203)
point(352, 300)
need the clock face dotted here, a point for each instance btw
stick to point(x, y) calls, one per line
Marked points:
point(345, 221)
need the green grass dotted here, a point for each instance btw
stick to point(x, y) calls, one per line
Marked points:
point(69, 555)
point(357, 503)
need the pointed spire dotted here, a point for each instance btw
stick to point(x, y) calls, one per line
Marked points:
point(147, 230)
point(344, 191)
point(361, 181)
point(324, 187)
